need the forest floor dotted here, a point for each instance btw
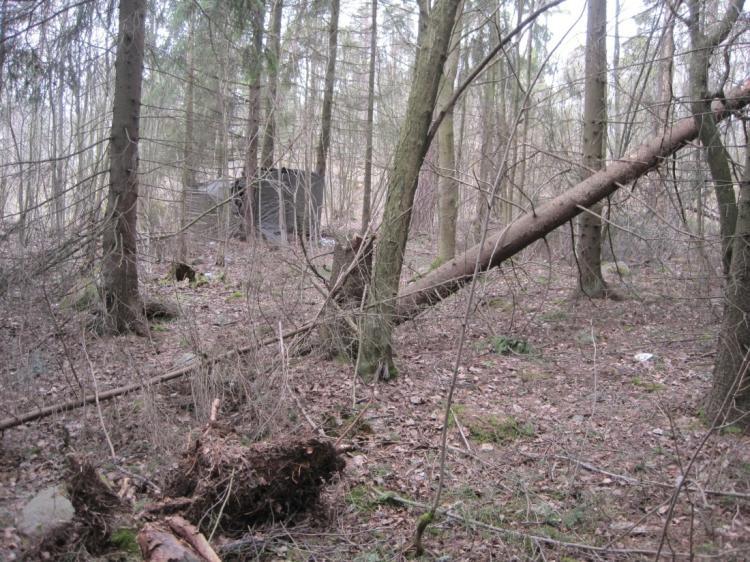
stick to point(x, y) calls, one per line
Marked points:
point(565, 443)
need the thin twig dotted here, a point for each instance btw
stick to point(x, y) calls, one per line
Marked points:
point(388, 496)
point(223, 505)
point(96, 398)
point(461, 430)
point(284, 362)
point(637, 482)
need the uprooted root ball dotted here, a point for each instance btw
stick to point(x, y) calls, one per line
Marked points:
point(89, 532)
point(246, 485)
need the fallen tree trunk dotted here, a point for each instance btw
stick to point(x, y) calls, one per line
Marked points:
point(451, 276)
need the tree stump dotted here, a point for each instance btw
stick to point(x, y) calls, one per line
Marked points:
point(350, 276)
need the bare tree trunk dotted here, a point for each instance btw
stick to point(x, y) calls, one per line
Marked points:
point(20, 193)
point(618, 143)
point(367, 188)
point(527, 109)
point(3, 46)
point(124, 309)
point(57, 109)
point(716, 154)
point(425, 8)
point(447, 183)
point(376, 357)
point(324, 142)
point(221, 150)
point(666, 73)
point(273, 55)
point(188, 166)
point(729, 399)
point(255, 62)
point(489, 131)
point(588, 243)
point(533, 226)
point(663, 105)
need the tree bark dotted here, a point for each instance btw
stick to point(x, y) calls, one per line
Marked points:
point(589, 239)
point(367, 184)
point(375, 348)
point(57, 111)
point(716, 154)
point(221, 146)
point(255, 67)
point(522, 179)
point(188, 167)
point(447, 183)
point(543, 219)
point(729, 399)
point(666, 73)
point(3, 46)
point(273, 55)
point(618, 142)
point(324, 142)
point(124, 308)
point(489, 134)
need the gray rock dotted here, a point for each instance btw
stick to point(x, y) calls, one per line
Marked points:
point(184, 360)
point(45, 511)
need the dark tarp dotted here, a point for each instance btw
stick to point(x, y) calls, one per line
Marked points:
point(287, 201)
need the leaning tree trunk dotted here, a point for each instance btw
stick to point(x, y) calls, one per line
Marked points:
point(589, 241)
point(702, 46)
point(124, 308)
point(324, 142)
point(534, 225)
point(729, 399)
point(375, 352)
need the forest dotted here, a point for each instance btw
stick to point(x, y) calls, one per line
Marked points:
point(374, 280)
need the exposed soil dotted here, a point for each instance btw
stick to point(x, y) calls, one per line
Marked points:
point(560, 433)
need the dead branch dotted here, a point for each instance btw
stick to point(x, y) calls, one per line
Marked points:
point(14, 421)
point(394, 498)
point(174, 540)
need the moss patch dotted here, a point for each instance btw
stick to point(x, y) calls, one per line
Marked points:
point(500, 430)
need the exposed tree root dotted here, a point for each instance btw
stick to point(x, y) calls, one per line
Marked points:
point(221, 483)
point(95, 505)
